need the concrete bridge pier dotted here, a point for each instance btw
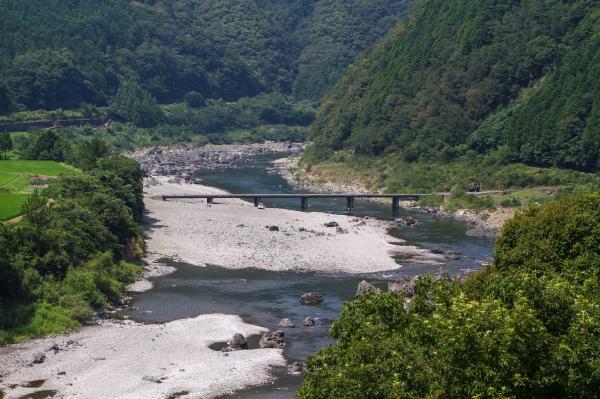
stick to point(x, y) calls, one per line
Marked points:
point(303, 202)
point(349, 203)
point(395, 203)
point(256, 201)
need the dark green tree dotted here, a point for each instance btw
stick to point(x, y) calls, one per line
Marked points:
point(6, 143)
point(92, 150)
point(194, 99)
point(5, 101)
point(49, 145)
point(136, 105)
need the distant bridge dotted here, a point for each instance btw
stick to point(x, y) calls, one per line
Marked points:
point(257, 198)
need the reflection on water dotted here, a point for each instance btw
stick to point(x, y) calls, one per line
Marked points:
point(264, 298)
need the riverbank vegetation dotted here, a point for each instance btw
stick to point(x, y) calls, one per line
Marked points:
point(70, 253)
point(526, 326)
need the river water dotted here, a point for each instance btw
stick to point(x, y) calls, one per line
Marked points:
point(264, 298)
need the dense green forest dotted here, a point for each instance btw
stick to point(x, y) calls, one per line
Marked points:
point(59, 54)
point(518, 81)
point(70, 253)
point(527, 326)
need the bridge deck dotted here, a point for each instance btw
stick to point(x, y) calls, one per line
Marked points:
point(298, 195)
point(304, 197)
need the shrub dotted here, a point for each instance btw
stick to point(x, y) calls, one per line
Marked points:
point(512, 202)
point(563, 236)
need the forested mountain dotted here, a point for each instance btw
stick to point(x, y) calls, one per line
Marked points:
point(518, 80)
point(62, 53)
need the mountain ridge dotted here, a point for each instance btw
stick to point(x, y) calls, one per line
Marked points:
point(430, 89)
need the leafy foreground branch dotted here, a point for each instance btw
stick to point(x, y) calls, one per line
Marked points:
point(527, 326)
point(70, 254)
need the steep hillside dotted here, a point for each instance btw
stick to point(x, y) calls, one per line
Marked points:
point(517, 80)
point(62, 53)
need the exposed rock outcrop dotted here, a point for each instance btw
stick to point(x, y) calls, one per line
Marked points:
point(311, 298)
point(272, 340)
point(366, 288)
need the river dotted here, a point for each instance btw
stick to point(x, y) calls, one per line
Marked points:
point(264, 297)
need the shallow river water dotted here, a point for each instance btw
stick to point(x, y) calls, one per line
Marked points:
point(263, 297)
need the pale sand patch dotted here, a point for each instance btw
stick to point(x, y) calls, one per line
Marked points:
point(111, 361)
point(234, 234)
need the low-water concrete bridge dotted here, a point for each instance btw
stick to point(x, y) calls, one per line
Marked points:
point(257, 198)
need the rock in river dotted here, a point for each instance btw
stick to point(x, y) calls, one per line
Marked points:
point(309, 322)
point(272, 340)
point(311, 298)
point(366, 288)
point(286, 323)
point(410, 222)
point(296, 368)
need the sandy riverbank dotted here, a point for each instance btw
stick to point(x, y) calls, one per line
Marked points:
point(235, 234)
point(132, 360)
point(484, 224)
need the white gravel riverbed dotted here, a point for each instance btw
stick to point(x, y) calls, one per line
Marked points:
point(146, 361)
point(234, 234)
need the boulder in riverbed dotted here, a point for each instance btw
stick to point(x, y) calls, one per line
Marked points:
point(55, 347)
point(151, 378)
point(366, 288)
point(286, 323)
point(39, 358)
point(332, 224)
point(407, 222)
point(238, 342)
point(296, 368)
point(272, 340)
point(311, 298)
point(405, 285)
point(309, 322)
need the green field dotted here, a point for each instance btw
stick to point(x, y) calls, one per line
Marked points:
point(16, 182)
point(10, 205)
point(42, 168)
